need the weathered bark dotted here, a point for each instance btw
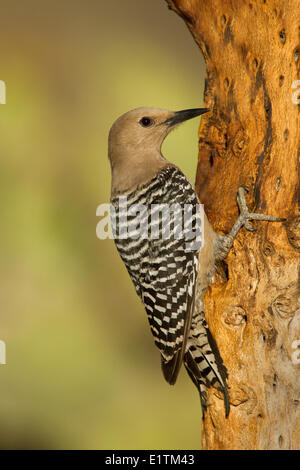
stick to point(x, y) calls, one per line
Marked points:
point(251, 137)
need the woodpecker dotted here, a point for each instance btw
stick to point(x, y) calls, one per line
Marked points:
point(169, 276)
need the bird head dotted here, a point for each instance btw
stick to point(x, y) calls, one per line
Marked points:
point(146, 128)
point(136, 137)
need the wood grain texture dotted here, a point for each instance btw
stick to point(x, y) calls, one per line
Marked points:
point(251, 137)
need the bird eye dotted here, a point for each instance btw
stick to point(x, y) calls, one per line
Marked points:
point(146, 121)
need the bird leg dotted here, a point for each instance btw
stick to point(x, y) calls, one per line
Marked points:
point(225, 242)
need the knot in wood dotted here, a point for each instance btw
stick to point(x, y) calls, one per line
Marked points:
point(286, 304)
point(240, 142)
point(282, 306)
point(268, 249)
point(242, 394)
point(235, 317)
point(292, 227)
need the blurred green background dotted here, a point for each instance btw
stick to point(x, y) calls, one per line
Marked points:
point(82, 370)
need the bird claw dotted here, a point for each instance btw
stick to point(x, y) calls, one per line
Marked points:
point(249, 227)
point(242, 202)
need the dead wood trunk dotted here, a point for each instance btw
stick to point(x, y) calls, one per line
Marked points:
point(251, 137)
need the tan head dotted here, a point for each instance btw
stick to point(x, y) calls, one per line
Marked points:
point(134, 144)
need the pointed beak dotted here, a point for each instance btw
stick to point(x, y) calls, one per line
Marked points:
point(181, 116)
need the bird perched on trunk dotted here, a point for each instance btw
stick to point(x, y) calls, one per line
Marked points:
point(170, 269)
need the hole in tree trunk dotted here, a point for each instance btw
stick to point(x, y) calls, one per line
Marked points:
point(282, 36)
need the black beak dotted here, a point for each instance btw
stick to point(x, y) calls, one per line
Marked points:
point(184, 115)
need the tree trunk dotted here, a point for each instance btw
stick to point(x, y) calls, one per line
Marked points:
point(251, 137)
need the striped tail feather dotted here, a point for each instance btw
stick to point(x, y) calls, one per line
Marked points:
point(204, 363)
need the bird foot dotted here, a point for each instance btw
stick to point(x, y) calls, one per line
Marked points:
point(225, 241)
point(246, 216)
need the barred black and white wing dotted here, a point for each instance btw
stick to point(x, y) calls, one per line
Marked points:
point(164, 267)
